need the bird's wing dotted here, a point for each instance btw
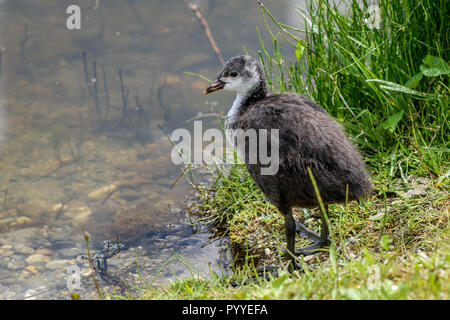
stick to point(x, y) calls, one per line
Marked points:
point(308, 137)
point(305, 134)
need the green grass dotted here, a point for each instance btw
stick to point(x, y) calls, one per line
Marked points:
point(386, 248)
point(389, 88)
point(418, 276)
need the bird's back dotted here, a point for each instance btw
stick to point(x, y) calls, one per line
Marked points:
point(308, 137)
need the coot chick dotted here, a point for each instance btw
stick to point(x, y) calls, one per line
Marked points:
point(308, 137)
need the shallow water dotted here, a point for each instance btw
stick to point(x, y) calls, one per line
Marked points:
point(67, 166)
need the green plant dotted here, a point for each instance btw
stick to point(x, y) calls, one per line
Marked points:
point(387, 85)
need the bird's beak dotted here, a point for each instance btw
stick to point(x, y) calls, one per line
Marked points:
point(214, 86)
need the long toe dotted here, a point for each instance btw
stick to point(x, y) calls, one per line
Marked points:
point(312, 249)
point(297, 267)
point(264, 271)
point(305, 233)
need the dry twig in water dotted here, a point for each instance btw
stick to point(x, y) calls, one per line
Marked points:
point(205, 26)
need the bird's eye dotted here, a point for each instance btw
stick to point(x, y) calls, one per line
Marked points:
point(233, 74)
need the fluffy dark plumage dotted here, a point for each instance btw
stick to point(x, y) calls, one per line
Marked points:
point(308, 137)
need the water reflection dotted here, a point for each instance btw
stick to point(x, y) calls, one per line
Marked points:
point(83, 146)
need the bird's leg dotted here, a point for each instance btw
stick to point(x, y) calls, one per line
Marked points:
point(289, 228)
point(320, 241)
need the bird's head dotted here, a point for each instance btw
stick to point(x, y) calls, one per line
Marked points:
point(241, 74)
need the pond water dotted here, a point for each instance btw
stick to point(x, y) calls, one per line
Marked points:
point(74, 159)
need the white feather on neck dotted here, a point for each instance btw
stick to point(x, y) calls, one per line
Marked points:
point(233, 112)
point(243, 88)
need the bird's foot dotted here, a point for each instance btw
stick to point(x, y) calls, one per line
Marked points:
point(293, 266)
point(265, 271)
point(306, 233)
point(312, 249)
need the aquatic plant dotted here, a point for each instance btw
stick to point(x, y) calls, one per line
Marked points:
point(136, 120)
